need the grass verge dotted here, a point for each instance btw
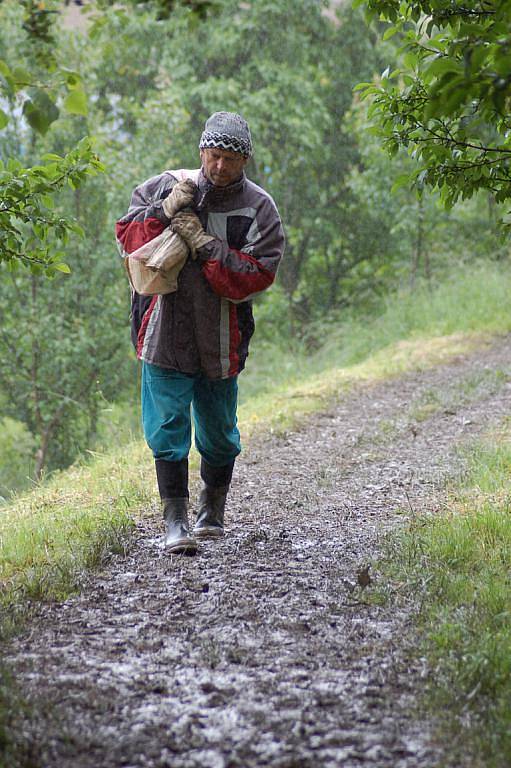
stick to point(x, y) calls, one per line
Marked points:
point(457, 563)
point(468, 302)
point(50, 537)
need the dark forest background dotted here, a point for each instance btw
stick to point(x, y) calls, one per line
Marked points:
point(141, 79)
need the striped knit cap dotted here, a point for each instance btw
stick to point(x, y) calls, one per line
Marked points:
point(227, 130)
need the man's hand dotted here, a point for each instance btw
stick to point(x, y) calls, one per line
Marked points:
point(181, 196)
point(187, 224)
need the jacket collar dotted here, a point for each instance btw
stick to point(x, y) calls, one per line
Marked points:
point(211, 195)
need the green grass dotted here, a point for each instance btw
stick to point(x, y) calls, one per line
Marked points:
point(457, 564)
point(72, 523)
point(471, 302)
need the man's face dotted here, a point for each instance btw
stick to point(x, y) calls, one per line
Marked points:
point(221, 166)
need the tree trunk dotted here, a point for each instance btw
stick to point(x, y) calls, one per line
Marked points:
point(42, 453)
point(419, 245)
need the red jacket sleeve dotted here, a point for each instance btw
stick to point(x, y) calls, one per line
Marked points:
point(145, 218)
point(239, 275)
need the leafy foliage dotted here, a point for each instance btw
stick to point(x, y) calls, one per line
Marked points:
point(45, 88)
point(60, 354)
point(449, 100)
point(163, 9)
point(29, 226)
point(16, 455)
point(59, 340)
point(29, 229)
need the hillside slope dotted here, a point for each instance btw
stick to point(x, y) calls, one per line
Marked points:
point(264, 650)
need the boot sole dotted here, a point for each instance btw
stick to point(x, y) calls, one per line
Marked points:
point(208, 533)
point(181, 547)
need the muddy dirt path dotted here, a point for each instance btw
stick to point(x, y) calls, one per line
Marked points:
point(258, 652)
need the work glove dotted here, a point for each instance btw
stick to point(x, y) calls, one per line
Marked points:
point(187, 224)
point(181, 196)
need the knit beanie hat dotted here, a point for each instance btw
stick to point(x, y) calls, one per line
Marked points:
point(227, 130)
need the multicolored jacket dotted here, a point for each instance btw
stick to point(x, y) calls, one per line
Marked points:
point(206, 325)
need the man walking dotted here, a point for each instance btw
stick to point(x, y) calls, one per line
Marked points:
point(193, 342)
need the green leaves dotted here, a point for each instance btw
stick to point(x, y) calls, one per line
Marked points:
point(43, 94)
point(450, 102)
point(40, 107)
point(76, 102)
point(40, 111)
point(30, 225)
point(390, 32)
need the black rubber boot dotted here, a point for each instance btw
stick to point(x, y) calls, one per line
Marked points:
point(172, 478)
point(177, 534)
point(210, 517)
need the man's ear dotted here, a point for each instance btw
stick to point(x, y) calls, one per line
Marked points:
point(201, 153)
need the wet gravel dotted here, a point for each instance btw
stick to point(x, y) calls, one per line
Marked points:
point(263, 650)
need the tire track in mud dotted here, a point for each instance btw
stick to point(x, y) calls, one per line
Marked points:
point(258, 652)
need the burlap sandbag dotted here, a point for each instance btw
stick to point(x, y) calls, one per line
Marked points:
point(154, 267)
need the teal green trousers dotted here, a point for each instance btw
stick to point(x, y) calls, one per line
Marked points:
point(169, 402)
